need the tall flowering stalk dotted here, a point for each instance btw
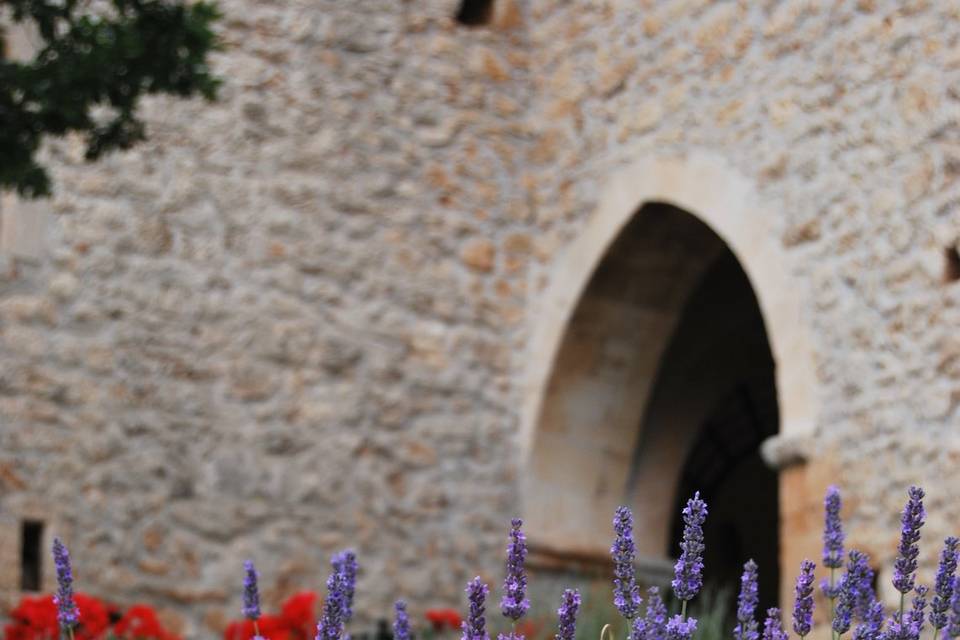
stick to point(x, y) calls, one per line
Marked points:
point(567, 615)
point(832, 542)
point(688, 571)
point(626, 593)
point(746, 628)
point(401, 621)
point(514, 602)
point(915, 617)
point(772, 627)
point(953, 627)
point(330, 626)
point(67, 613)
point(944, 586)
point(871, 627)
point(681, 628)
point(654, 625)
point(475, 626)
point(345, 563)
point(905, 566)
point(251, 596)
point(849, 592)
point(803, 602)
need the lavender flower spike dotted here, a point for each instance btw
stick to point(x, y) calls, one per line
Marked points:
point(330, 626)
point(626, 593)
point(251, 595)
point(475, 626)
point(849, 592)
point(514, 602)
point(655, 624)
point(746, 628)
point(567, 614)
point(915, 617)
point(905, 567)
point(772, 627)
point(345, 563)
point(953, 628)
point(680, 629)
point(67, 613)
point(803, 604)
point(401, 621)
point(688, 571)
point(832, 530)
point(944, 585)
point(872, 626)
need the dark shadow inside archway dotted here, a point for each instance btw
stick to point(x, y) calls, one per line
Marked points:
point(720, 350)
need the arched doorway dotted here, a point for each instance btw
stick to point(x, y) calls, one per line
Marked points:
point(662, 383)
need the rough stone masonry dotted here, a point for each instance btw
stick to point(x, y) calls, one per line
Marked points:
point(300, 318)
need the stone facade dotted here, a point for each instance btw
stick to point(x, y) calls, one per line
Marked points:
point(324, 311)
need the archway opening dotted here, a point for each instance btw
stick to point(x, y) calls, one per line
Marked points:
point(663, 384)
point(719, 369)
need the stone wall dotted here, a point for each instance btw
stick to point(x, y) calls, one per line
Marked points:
point(309, 315)
point(286, 324)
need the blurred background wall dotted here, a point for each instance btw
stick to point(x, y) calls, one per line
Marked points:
point(410, 277)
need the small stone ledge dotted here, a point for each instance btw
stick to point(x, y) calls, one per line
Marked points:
point(780, 452)
point(650, 571)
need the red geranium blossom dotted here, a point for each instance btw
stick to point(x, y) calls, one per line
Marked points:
point(299, 612)
point(271, 627)
point(441, 618)
point(296, 621)
point(36, 619)
point(140, 621)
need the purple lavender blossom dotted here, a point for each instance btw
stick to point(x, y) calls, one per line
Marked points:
point(746, 628)
point(865, 596)
point(67, 613)
point(905, 567)
point(915, 616)
point(871, 627)
point(656, 619)
point(688, 571)
point(953, 628)
point(849, 591)
point(772, 627)
point(679, 628)
point(251, 595)
point(638, 629)
point(401, 621)
point(803, 603)
point(626, 593)
point(832, 530)
point(514, 602)
point(475, 626)
point(567, 615)
point(345, 563)
point(330, 626)
point(944, 584)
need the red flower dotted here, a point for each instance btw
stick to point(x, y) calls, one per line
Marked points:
point(296, 621)
point(140, 622)
point(33, 619)
point(94, 617)
point(299, 614)
point(441, 618)
point(36, 619)
point(271, 627)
